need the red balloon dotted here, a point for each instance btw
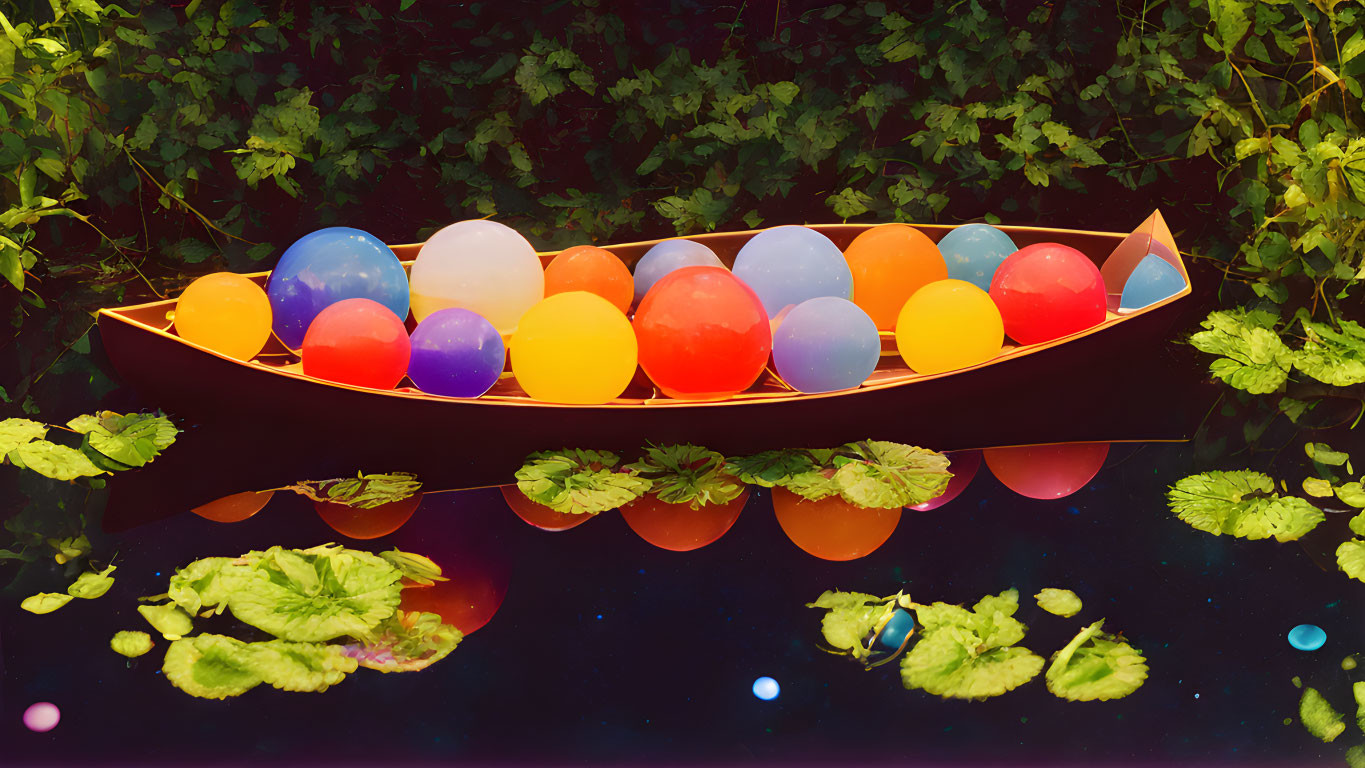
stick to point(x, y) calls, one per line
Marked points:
point(355, 523)
point(538, 514)
point(1047, 471)
point(679, 527)
point(472, 593)
point(963, 465)
point(359, 342)
point(831, 528)
point(703, 334)
point(1046, 291)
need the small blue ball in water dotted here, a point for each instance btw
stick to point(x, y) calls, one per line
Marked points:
point(766, 688)
point(1307, 637)
point(896, 629)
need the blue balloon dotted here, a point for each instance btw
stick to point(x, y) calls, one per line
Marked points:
point(1307, 637)
point(1154, 279)
point(826, 344)
point(787, 265)
point(668, 256)
point(899, 627)
point(456, 353)
point(973, 251)
point(327, 266)
point(766, 688)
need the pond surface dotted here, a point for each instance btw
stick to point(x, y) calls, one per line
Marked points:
point(608, 650)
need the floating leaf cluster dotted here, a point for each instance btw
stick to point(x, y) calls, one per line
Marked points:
point(362, 491)
point(871, 474)
point(975, 653)
point(1242, 504)
point(88, 586)
point(110, 442)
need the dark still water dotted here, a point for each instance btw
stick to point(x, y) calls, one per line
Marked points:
point(609, 650)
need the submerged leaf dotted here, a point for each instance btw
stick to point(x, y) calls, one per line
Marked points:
point(1096, 666)
point(881, 475)
point(172, 622)
point(131, 643)
point(210, 666)
point(44, 602)
point(578, 482)
point(406, 642)
point(1318, 717)
point(1322, 453)
point(1241, 504)
point(1059, 602)
point(362, 491)
point(313, 595)
point(686, 474)
point(91, 585)
point(16, 432)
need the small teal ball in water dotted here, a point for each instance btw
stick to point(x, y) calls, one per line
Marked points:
point(1307, 637)
point(897, 629)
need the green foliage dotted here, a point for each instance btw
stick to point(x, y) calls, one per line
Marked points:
point(578, 482)
point(870, 473)
point(1059, 602)
point(130, 643)
point(111, 442)
point(1242, 504)
point(970, 654)
point(851, 618)
point(362, 491)
point(407, 641)
point(1318, 716)
point(1096, 666)
point(686, 474)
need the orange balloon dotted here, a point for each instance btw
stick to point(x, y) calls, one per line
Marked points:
point(591, 269)
point(1047, 471)
point(372, 523)
point(234, 508)
point(889, 263)
point(679, 527)
point(540, 515)
point(831, 528)
point(468, 598)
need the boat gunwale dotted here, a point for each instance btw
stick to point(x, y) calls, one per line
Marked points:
point(1014, 352)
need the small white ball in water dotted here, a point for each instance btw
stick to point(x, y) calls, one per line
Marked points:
point(766, 688)
point(42, 717)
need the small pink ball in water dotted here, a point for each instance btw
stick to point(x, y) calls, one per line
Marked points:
point(42, 717)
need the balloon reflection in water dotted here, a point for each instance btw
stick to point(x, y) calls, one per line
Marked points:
point(679, 527)
point(1047, 471)
point(456, 532)
point(234, 508)
point(964, 465)
point(355, 523)
point(540, 515)
point(831, 528)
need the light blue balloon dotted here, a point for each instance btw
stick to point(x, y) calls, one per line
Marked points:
point(1307, 637)
point(766, 688)
point(826, 344)
point(668, 256)
point(1154, 279)
point(327, 266)
point(788, 265)
point(974, 251)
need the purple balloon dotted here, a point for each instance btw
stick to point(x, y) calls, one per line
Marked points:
point(456, 353)
point(826, 344)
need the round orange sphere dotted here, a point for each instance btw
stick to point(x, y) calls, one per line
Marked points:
point(592, 269)
point(831, 528)
point(355, 523)
point(226, 313)
point(889, 263)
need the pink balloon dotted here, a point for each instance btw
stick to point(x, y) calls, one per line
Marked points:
point(1047, 471)
point(963, 466)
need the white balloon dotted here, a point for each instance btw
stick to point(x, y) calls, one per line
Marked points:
point(479, 265)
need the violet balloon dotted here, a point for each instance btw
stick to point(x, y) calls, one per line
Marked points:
point(327, 266)
point(456, 353)
point(790, 264)
point(826, 344)
point(668, 256)
point(963, 465)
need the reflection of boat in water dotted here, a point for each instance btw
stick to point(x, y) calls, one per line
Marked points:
point(1117, 378)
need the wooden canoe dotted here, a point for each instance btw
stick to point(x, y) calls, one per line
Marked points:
point(1117, 378)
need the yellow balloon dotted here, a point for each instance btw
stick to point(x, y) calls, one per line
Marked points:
point(575, 348)
point(226, 313)
point(947, 325)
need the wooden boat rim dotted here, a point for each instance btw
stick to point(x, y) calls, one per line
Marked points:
point(1009, 352)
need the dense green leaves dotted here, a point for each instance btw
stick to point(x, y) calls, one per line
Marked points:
point(1242, 504)
point(1318, 717)
point(1096, 666)
point(1253, 356)
point(578, 482)
point(686, 474)
point(970, 654)
point(111, 442)
point(362, 491)
point(870, 473)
